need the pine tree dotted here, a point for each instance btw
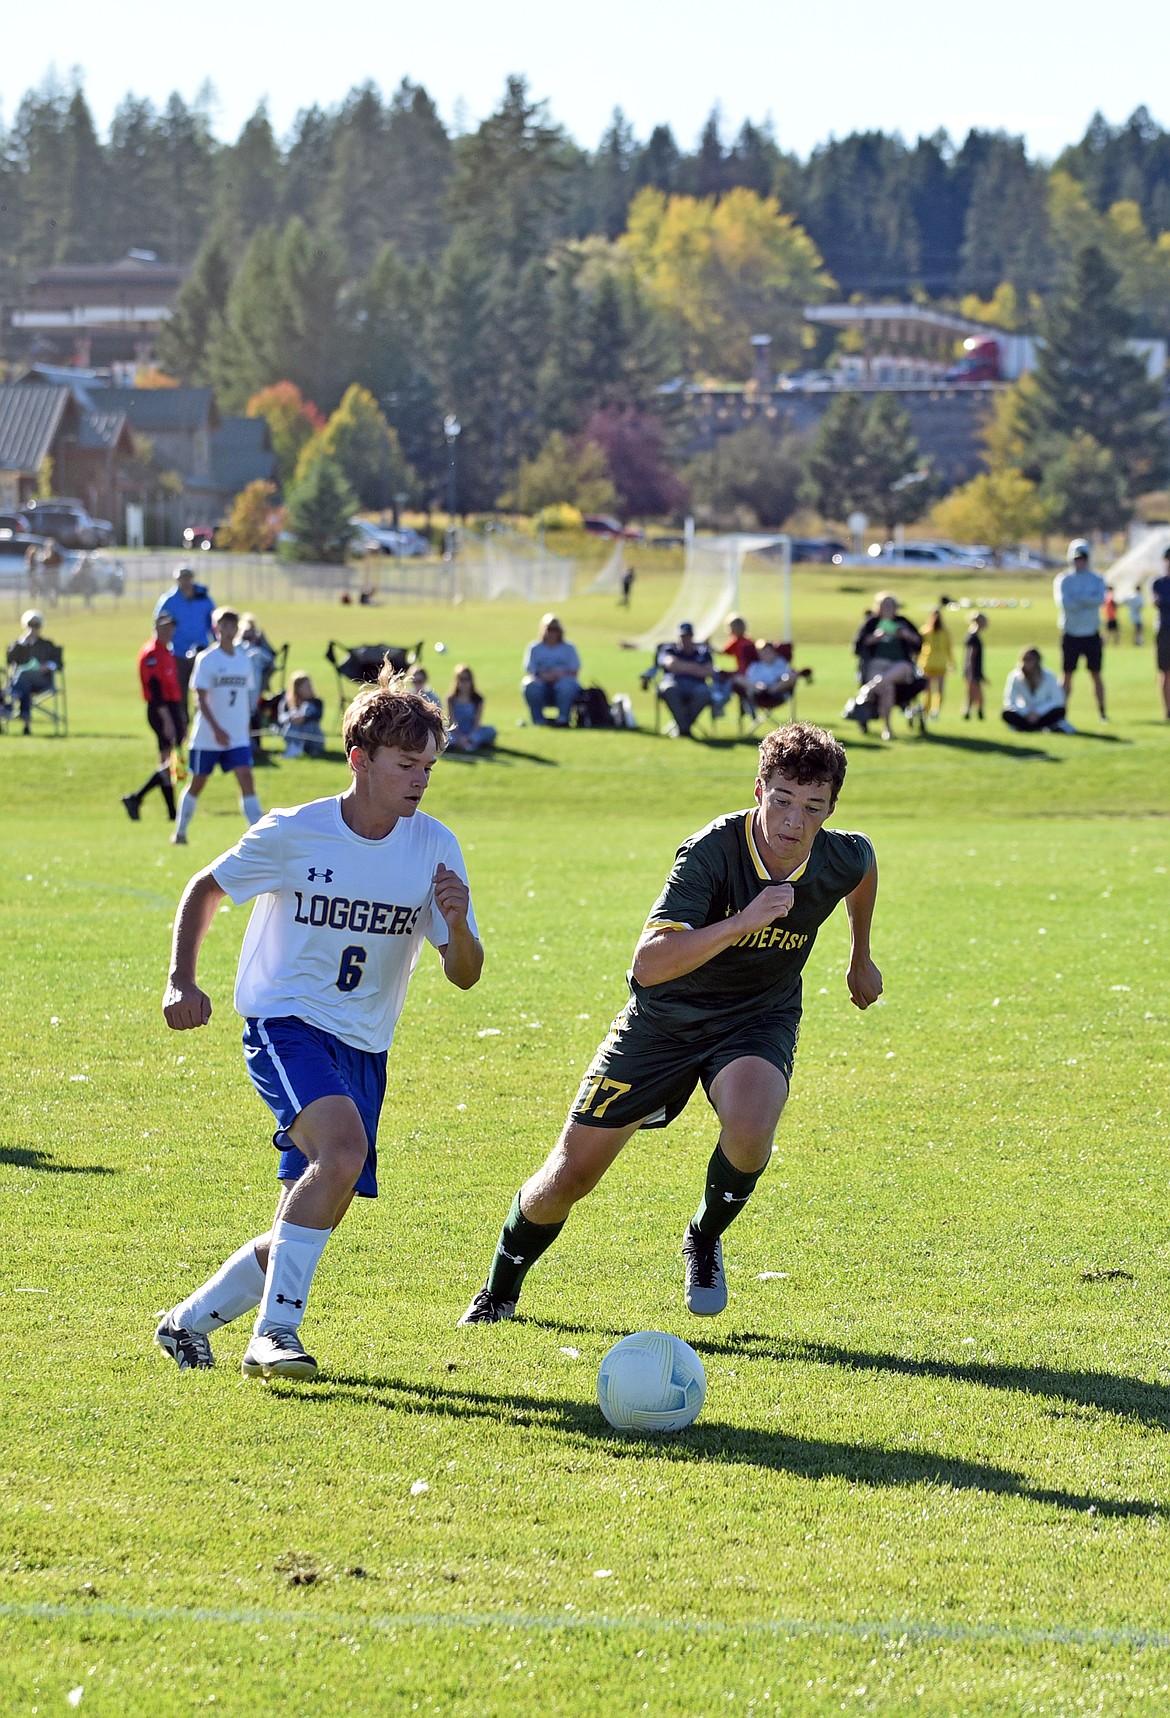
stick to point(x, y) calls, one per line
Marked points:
point(82, 199)
point(319, 507)
point(899, 490)
point(249, 178)
point(1084, 488)
point(1086, 380)
point(197, 313)
point(838, 460)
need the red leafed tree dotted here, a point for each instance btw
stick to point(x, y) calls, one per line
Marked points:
point(636, 459)
point(291, 419)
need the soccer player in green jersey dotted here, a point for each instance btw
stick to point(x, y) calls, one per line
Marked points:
point(715, 995)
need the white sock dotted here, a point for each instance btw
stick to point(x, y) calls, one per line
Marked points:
point(251, 805)
point(188, 806)
point(293, 1256)
point(235, 1289)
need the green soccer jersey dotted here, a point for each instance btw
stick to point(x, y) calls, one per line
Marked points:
point(719, 872)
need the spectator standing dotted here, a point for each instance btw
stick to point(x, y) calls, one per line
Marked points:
point(33, 659)
point(1160, 597)
point(261, 654)
point(1135, 603)
point(973, 675)
point(467, 732)
point(1079, 594)
point(190, 606)
point(936, 657)
point(1112, 628)
point(628, 577)
point(551, 667)
point(1032, 698)
point(158, 674)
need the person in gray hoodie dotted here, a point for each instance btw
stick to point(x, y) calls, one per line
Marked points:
point(1079, 593)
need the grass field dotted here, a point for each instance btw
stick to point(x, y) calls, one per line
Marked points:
point(932, 1471)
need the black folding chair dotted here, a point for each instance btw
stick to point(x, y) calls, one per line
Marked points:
point(361, 664)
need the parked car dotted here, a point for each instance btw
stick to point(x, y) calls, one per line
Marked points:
point(923, 555)
point(14, 525)
point(605, 525)
point(88, 574)
point(200, 536)
point(398, 540)
point(69, 524)
point(821, 550)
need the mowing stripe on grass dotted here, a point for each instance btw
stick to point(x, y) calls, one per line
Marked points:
point(1135, 1640)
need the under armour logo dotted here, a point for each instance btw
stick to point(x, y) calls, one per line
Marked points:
point(326, 876)
point(735, 1198)
point(285, 1300)
point(217, 1315)
point(512, 1258)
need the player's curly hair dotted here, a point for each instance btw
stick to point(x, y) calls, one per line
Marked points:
point(804, 754)
point(392, 713)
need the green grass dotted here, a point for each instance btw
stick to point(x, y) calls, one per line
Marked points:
point(931, 1474)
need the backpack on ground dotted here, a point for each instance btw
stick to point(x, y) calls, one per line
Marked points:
point(592, 708)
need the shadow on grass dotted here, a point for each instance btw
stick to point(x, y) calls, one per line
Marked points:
point(992, 748)
point(709, 1441)
point(499, 754)
point(27, 1157)
point(1110, 1393)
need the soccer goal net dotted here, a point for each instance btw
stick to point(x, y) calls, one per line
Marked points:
point(713, 574)
point(499, 561)
point(1140, 562)
point(610, 576)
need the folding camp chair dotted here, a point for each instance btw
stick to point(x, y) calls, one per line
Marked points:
point(708, 715)
point(361, 664)
point(48, 704)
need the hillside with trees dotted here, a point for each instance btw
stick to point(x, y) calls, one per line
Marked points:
point(536, 289)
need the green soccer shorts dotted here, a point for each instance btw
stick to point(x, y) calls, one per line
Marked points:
point(643, 1074)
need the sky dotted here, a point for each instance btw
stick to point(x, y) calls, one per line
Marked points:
point(815, 70)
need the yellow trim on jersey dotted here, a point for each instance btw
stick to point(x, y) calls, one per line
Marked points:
point(761, 869)
point(665, 925)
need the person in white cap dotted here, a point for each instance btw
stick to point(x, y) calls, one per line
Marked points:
point(1079, 593)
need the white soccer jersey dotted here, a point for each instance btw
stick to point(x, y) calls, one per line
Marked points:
point(340, 922)
point(227, 680)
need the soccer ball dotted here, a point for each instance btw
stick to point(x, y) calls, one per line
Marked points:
point(651, 1382)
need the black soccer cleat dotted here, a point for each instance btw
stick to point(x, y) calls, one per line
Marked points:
point(133, 810)
point(488, 1308)
point(189, 1349)
point(705, 1290)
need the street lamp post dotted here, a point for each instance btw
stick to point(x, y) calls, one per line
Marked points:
point(451, 429)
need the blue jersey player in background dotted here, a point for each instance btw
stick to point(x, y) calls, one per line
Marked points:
point(347, 890)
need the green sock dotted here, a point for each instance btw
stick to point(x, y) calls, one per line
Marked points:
point(727, 1192)
point(520, 1244)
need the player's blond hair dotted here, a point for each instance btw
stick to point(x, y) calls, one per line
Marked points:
point(804, 754)
point(392, 713)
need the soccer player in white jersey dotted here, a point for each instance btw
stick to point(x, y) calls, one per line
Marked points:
point(222, 734)
point(347, 890)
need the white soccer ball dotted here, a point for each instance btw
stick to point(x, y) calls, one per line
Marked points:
point(440, 649)
point(651, 1382)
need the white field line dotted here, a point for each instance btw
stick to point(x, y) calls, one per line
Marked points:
point(781, 1628)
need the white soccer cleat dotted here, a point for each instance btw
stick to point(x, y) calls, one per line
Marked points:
point(189, 1349)
point(277, 1354)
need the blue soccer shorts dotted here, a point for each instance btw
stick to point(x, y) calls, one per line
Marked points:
point(205, 759)
point(292, 1064)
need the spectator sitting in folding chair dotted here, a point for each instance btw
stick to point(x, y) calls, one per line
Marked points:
point(551, 669)
point(688, 684)
point(769, 681)
point(33, 661)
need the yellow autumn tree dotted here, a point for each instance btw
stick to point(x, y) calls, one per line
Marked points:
point(721, 270)
point(999, 508)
